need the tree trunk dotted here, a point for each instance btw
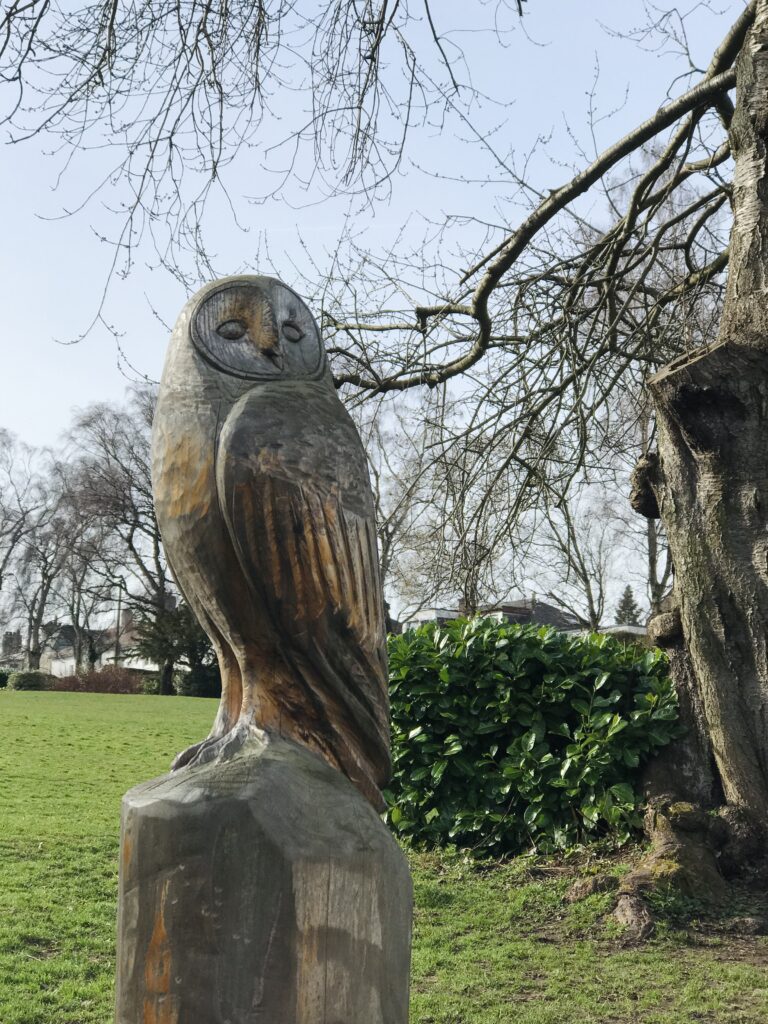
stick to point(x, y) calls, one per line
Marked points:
point(34, 648)
point(713, 498)
point(709, 484)
point(166, 679)
point(78, 649)
point(712, 482)
point(92, 654)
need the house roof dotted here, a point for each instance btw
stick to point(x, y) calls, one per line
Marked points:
point(531, 610)
point(524, 611)
point(60, 638)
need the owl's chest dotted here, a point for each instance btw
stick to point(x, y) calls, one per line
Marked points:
point(184, 464)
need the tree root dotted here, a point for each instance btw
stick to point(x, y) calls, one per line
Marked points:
point(694, 853)
point(682, 857)
point(634, 915)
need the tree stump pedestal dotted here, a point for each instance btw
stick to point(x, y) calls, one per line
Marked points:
point(262, 889)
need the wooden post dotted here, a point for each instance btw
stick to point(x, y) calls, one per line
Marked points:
point(260, 890)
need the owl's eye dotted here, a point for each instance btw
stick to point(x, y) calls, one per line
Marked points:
point(292, 331)
point(232, 330)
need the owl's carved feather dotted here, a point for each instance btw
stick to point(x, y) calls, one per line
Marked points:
point(292, 483)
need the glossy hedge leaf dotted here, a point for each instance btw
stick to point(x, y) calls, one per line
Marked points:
point(510, 736)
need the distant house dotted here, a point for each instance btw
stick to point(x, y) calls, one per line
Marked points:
point(530, 611)
point(58, 655)
point(525, 611)
point(426, 615)
point(111, 646)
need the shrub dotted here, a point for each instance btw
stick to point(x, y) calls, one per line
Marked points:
point(507, 737)
point(4, 674)
point(67, 684)
point(109, 679)
point(29, 680)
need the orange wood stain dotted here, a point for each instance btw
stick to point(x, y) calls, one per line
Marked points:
point(163, 1011)
point(159, 1006)
point(127, 850)
point(188, 483)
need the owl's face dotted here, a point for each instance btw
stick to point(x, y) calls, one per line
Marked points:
point(257, 329)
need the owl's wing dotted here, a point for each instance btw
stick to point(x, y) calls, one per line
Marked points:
point(293, 485)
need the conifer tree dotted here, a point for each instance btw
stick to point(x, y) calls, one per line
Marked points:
point(628, 610)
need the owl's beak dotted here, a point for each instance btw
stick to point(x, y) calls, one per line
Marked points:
point(271, 350)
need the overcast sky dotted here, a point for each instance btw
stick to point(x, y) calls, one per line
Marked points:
point(54, 270)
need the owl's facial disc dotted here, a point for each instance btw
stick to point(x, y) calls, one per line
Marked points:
point(260, 331)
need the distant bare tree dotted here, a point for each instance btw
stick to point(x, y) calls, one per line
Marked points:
point(37, 568)
point(576, 542)
point(468, 543)
point(110, 485)
point(22, 497)
point(396, 438)
point(84, 589)
point(646, 535)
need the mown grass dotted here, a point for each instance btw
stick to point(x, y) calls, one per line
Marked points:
point(493, 943)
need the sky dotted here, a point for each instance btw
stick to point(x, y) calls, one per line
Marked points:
point(53, 268)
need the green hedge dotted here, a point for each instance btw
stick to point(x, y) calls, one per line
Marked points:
point(4, 674)
point(509, 737)
point(29, 680)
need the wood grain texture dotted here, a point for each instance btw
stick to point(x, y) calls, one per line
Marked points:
point(262, 889)
point(265, 508)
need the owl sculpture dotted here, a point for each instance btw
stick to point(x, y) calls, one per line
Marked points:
point(265, 508)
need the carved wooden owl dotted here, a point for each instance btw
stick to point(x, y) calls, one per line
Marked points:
point(265, 508)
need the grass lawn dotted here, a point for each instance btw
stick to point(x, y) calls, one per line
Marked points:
point(493, 944)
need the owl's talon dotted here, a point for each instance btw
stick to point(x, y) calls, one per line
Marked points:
point(185, 757)
point(214, 748)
